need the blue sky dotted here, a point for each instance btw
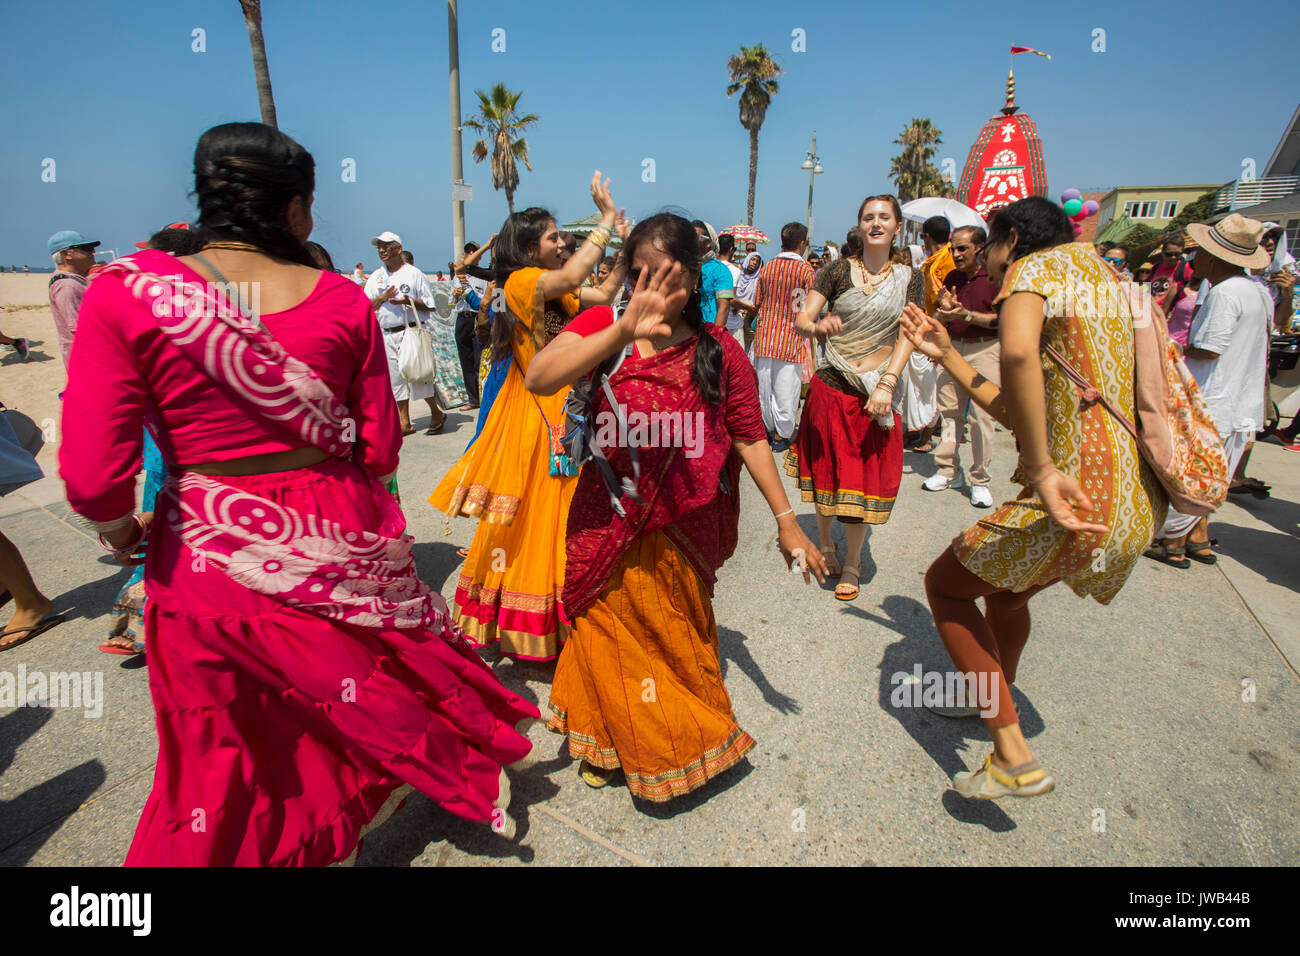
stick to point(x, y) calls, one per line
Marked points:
point(114, 94)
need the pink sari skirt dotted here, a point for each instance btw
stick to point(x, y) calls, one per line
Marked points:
point(282, 733)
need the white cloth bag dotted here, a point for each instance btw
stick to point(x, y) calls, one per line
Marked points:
point(415, 354)
point(922, 401)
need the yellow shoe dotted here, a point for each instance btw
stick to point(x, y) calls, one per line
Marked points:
point(594, 776)
point(990, 782)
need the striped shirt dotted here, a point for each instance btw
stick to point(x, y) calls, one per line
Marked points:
point(781, 288)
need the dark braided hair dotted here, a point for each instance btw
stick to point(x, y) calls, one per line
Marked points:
point(245, 175)
point(677, 238)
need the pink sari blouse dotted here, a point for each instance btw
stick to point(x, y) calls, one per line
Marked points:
point(124, 373)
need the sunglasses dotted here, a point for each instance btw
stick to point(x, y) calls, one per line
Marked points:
point(1115, 262)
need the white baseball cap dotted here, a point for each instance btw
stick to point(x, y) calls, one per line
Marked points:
point(386, 237)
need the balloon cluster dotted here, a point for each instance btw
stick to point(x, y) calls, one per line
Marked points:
point(1077, 208)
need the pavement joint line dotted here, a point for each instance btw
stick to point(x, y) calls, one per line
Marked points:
point(64, 521)
point(59, 821)
point(633, 858)
point(1258, 623)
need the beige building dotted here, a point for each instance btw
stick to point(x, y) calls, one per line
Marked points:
point(1152, 206)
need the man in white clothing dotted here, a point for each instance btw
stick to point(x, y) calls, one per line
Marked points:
point(400, 294)
point(1227, 354)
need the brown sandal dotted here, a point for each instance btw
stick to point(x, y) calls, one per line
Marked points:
point(1202, 551)
point(29, 633)
point(1173, 556)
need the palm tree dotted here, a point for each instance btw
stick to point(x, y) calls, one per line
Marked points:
point(754, 72)
point(497, 119)
point(253, 17)
point(912, 172)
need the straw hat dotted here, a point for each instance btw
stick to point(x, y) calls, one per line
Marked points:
point(1234, 239)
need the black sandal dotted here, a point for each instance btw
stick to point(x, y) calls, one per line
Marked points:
point(1200, 551)
point(1250, 486)
point(1175, 556)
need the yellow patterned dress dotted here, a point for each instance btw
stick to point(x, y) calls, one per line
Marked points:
point(1018, 546)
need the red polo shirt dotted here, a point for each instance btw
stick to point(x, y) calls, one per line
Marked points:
point(976, 293)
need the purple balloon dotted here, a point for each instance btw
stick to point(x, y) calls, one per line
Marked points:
point(1070, 194)
point(1092, 207)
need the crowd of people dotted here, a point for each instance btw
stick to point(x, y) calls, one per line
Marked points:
point(273, 574)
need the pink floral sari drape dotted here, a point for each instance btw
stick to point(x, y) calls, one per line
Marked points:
point(302, 560)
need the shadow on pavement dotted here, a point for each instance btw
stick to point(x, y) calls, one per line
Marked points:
point(42, 807)
point(435, 562)
point(1270, 555)
point(723, 781)
point(732, 647)
point(943, 739)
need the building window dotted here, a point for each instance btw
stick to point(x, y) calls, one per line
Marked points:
point(1141, 210)
point(1170, 209)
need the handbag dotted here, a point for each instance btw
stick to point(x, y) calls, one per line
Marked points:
point(415, 353)
point(1174, 432)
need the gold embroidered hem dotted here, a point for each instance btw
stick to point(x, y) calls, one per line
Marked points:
point(661, 787)
point(477, 501)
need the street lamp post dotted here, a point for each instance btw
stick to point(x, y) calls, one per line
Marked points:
point(457, 168)
point(812, 163)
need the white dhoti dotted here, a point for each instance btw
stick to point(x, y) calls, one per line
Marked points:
point(402, 389)
point(921, 402)
point(1178, 524)
point(779, 386)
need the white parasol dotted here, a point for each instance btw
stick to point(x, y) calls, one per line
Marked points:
point(957, 214)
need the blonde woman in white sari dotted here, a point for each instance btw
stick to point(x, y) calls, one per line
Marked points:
point(848, 455)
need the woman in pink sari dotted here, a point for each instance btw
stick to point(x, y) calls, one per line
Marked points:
point(303, 676)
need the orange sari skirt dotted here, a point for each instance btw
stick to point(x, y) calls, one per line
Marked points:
point(639, 684)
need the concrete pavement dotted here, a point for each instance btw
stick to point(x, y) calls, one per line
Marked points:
point(1162, 754)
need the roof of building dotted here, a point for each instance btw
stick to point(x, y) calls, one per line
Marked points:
point(1275, 210)
point(1205, 187)
point(1286, 155)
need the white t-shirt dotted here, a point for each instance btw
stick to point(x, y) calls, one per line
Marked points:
point(1233, 321)
point(409, 281)
point(734, 319)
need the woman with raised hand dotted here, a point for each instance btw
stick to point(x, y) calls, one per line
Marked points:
point(512, 478)
point(1089, 505)
point(639, 685)
point(303, 675)
point(848, 456)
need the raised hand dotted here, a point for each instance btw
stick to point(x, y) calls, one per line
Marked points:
point(926, 335)
point(654, 298)
point(601, 197)
point(622, 225)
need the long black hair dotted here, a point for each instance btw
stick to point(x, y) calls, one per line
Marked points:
point(677, 238)
point(245, 174)
point(515, 249)
point(1039, 224)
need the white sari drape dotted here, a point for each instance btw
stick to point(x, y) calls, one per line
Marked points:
point(870, 320)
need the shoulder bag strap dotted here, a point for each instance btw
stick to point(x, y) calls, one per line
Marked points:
point(1091, 394)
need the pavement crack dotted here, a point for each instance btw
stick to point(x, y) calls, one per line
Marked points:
point(633, 858)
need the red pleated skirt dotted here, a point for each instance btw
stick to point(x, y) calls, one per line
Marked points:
point(844, 461)
point(281, 733)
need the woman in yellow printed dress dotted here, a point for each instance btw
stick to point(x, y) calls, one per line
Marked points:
point(1089, 505)
point(510, 585)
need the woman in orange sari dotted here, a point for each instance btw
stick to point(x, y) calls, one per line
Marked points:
point(509, 586)
point(639, 685)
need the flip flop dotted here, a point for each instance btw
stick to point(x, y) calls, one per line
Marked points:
point(408, 431)
point(434, 429)
point(35, 631)
point(463, 552)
